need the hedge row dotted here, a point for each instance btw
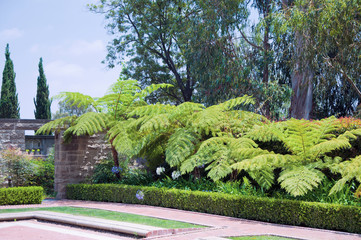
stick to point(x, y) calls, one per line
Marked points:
point(21, 195)
point(310, 214)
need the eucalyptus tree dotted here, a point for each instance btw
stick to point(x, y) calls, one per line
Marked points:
point(327, 47)
point(163, 38)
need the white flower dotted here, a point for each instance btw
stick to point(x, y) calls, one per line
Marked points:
point(159, 170)
point(176, 174)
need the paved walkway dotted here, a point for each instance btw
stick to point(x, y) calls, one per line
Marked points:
point(220, 226)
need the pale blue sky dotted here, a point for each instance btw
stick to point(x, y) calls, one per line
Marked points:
point(70, 39)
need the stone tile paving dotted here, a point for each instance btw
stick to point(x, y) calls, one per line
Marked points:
point(220, 226)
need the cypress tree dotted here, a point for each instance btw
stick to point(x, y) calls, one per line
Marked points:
point(9, 105)
point(42, 102)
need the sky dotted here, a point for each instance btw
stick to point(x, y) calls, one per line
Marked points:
point(71, 40)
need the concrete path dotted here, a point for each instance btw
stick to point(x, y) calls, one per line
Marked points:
point(219, 226)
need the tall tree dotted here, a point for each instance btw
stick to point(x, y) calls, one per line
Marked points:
point(42, 101)
point(328, 61)
point(9, 105)
point(160, 37)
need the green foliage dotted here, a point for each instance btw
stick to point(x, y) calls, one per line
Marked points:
point(308, 143)
point(110, 111)
point(21, 195)
point(9, 105)
point(44, 175)
point(318, 215)
point(349, 170)
point(42, 101)
point(103, 172)
point(162, 39)
point(16, 167)
point(190, 135)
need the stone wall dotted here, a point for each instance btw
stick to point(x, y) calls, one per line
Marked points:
point(12, 131)
point(74, 161)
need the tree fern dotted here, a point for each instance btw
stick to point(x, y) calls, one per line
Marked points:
point(299, 180)
point(89, 124)
point(349, 170)
point(180, 145)
point(56, 125)
point(77, 99)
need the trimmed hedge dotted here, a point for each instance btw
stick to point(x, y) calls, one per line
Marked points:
point(21, 195)
point(310, 214)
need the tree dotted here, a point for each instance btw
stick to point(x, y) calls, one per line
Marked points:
point(70, 109)
point(9, 105)
point(162, 38)
point(42, 101)
point(109, 114)
point(327, 47)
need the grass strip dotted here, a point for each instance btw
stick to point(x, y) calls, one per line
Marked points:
point(111, 215)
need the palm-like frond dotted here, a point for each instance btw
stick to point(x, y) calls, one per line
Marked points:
point(151, 88)
point(235, 102)
point(120, 138)
point(349, 170)
point(88, 124)
point(56, 125)
point(151, 110)
point(264, 178)
point(77, 99)
point(263, 160)
point(298, 181)
point(155, 123)
point(180, 145)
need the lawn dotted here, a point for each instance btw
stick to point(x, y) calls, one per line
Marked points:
point(111, 215)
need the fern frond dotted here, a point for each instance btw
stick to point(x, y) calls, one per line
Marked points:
point(150, 143)
point(120, 139)
point(56, 125)
point(151, 88)
point(208, 121)
point(322, 148)
point(235, 102)
point(77, 99)
point(180, 145)
point(264, 178)
point(262, 161)
point(272, 132)
point(114, 101)
point(185, 110)
point(151, 110)
point(122, 86)
point(88, 124)
point(190, 163)
point(298, 181)
point(349, 170)
point(219, 170)
point(155, 123)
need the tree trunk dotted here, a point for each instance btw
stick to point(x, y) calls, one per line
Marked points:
point(301, 78)
point(115, 158)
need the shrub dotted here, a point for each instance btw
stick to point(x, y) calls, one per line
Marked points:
point(21, 195)
point(318, 215)
point(16, 166)
point(44, 176)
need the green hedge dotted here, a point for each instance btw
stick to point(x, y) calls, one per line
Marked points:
point(21, 195)
point(310, 214)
